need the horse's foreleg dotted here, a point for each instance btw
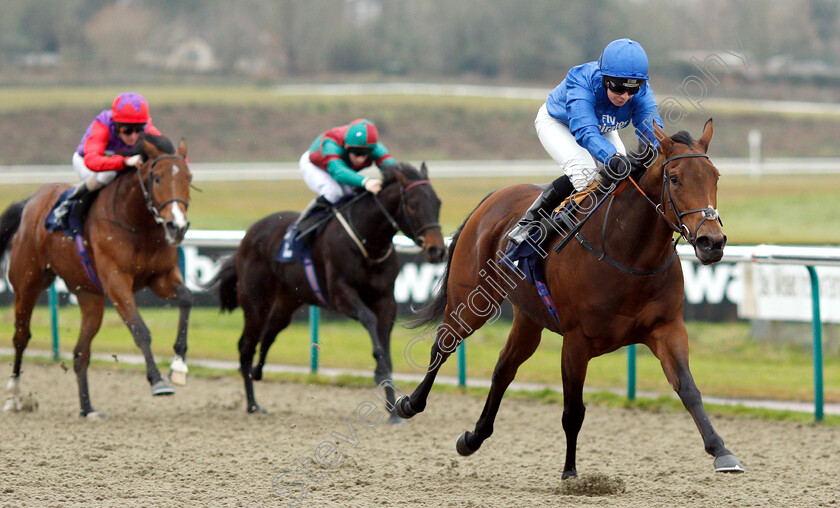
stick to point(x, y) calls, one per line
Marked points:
point(523, 339)
point(92, 307)
point(386, 313)
point(378, 323)
point(178, 368)
point(118, 287)
point(575, 360)
point(670, 345)
point(171, 287)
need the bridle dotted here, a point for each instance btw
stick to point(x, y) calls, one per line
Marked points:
point(148, 192)
point(679, 227)
point(414, 233)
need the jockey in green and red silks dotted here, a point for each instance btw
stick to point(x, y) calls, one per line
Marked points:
point(331, 152)
point(339, 162)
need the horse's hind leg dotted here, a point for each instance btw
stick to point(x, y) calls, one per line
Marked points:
point(460, 321)
point(92, 307)
point(278, 319)
point(523, 339)
point(26, 295)
point(670, 345)
point(263, 318)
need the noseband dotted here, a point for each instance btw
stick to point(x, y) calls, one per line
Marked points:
point(148, 192)
point(709, 213)
point(414, 233)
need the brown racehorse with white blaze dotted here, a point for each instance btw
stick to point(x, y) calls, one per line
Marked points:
point(131, 234)
point(633, 294)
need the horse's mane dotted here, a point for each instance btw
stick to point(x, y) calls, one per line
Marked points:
point(404, 168)
point(162, 143)
point(683, 137)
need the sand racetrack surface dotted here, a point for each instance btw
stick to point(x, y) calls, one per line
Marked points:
point(200, 448)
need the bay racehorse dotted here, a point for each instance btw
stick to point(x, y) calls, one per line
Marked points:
point(131, 234)
point(624, 288)
point(355, 263)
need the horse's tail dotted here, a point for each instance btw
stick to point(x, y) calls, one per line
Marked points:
point(227, 280)
point(432, 311)
point(9, 224)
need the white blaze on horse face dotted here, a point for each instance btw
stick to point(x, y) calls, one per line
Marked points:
point(178, 217)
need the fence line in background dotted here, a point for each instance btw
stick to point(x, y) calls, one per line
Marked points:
point(230, 171)
point(809, 257)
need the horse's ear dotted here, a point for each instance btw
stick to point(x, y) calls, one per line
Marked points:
point(182, 148)
point(400, 177)
point(707, 135)
point(424, 171)
point(665, 142)
point(150, 150)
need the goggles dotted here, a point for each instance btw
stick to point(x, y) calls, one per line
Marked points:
point(620, 85)
point(131, 128)
point(358, 151)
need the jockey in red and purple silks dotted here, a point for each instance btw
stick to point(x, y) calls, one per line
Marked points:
point(99, 157)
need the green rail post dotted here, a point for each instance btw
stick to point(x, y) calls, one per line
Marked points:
point(462, 365)
point(631, 372)
point(817, 327)
point(314, 315)
point(52, 299)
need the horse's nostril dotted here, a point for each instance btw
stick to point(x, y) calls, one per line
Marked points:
point(704, 243)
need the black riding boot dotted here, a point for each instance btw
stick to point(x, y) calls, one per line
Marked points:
point(61, 210)
point(552, 196)
point(79, 212)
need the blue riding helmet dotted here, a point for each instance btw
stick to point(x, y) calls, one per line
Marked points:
point(624, 58)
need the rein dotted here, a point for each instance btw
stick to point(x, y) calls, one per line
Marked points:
point(709, 213)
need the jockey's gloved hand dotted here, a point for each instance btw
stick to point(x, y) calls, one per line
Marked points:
point(372, 185)
point(134, 160)
point(618, 167)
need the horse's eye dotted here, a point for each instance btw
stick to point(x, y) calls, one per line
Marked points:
point(157, 179)
point(674, 179)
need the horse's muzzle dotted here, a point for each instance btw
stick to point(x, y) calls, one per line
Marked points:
point(709, 248)
point(174, 233)
point(435, 253)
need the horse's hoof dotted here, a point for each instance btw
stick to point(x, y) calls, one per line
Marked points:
point(162, 387)
point(462, 446)
point(256, 374)
point(402, 408)
point(569, 474)
point(94, 416)
point(395, 420)
point(728, 464)
point(178, 371)
point(12, 404)
point(255, 409)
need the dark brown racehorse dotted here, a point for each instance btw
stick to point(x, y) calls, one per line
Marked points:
point(633, 295)
point(356, 267)
point(131, 233)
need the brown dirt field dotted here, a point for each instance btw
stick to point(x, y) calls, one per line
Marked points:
point(200, 448)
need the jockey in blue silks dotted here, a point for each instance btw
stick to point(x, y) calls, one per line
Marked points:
point(578, 124)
